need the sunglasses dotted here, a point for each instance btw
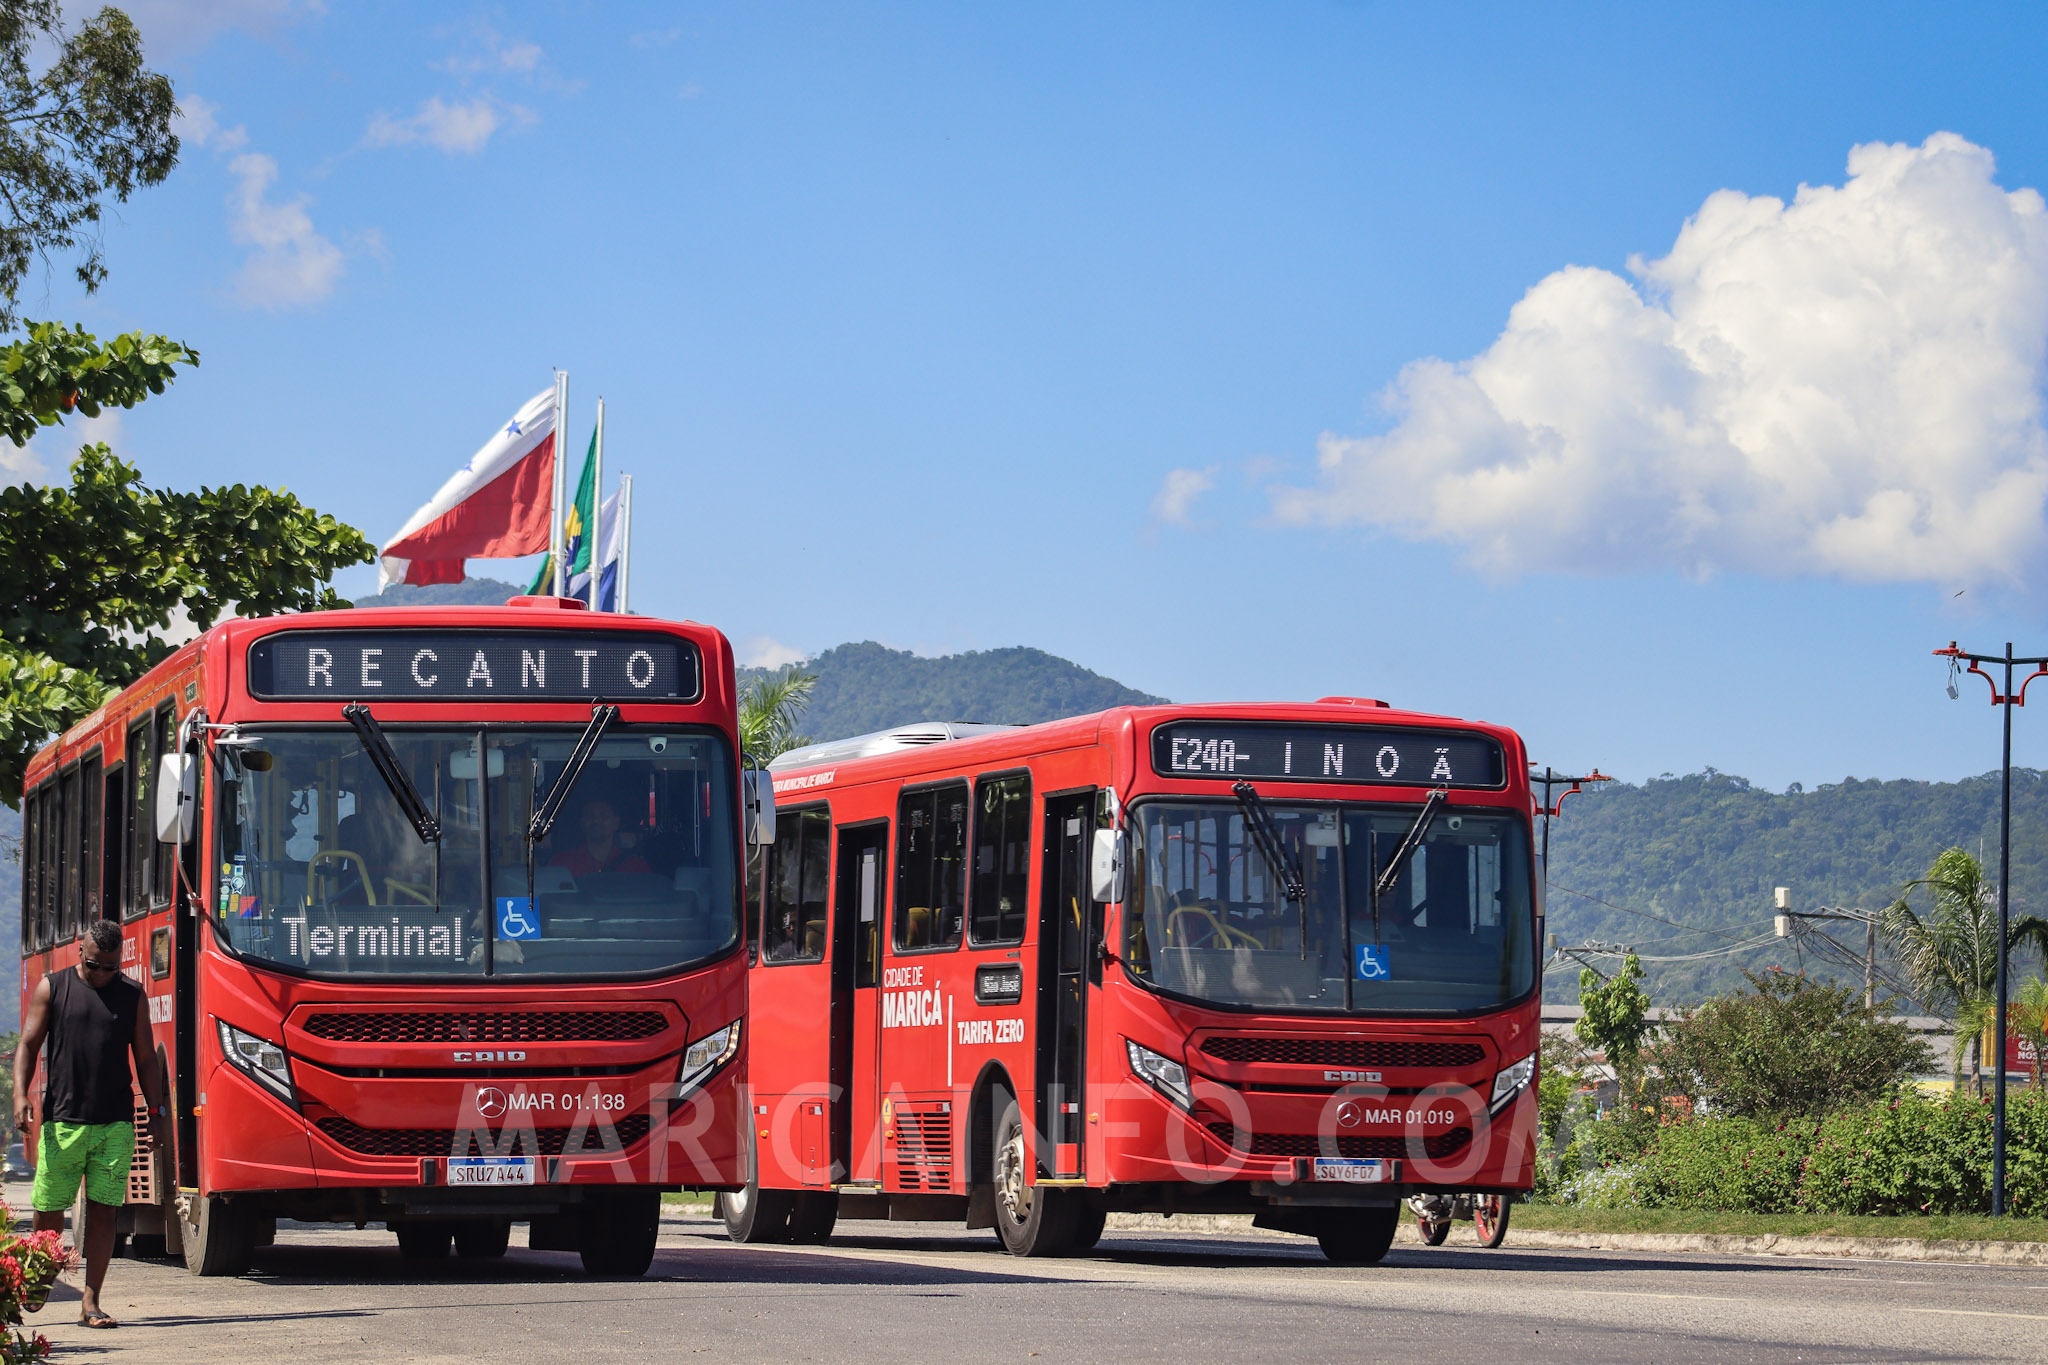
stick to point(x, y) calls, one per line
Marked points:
point(92, 966)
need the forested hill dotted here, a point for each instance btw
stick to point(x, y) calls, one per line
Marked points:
point(865, 687)
point(1707, 849)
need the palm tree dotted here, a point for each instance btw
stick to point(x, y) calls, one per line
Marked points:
point(768, 711)
point(2028, 1015)
point(1950, 955)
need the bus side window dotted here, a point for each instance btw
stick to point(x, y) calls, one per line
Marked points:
point(793, 892)
point(160, 853)
point(31, 869)
point(135, 899)
point(114, 842)
point(70, 851)
point(931, 868)
point(1002, 859)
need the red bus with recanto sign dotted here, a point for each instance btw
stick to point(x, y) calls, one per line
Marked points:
point(438, 915)
point(1267, 959)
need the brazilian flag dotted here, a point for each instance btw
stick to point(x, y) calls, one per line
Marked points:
point(578, 530)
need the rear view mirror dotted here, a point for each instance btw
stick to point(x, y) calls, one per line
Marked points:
point(757, 798)
point(1106, 869)
point(177, 799)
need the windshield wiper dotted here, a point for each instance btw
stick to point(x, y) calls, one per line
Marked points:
point(1266, 835)
point(395, 777)
point(550, 807)
point(1405, 850)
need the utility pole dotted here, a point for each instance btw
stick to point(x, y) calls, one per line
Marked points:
point(1788, 925)
point(2005, 700)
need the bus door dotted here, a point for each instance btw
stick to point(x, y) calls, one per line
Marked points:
point(1063, 906)
point(856, 1003)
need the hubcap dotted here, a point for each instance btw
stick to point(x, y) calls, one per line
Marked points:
point(1011, 1190)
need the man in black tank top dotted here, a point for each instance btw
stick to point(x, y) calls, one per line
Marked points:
point(92, 1020)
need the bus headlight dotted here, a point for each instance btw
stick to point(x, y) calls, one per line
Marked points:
point(259, 1059)
point(1163, 1074)
point(705, 1056)
point(1511, 1081)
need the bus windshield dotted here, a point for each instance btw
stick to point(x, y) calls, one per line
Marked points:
point(1209, 916)
point(321, 871)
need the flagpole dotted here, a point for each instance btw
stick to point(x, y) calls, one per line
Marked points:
point(594, 534)
point(625, 538)
point(556, 540)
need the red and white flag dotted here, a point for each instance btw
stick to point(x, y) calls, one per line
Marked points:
point(499, 506)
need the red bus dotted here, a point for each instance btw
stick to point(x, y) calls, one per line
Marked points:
point(1267, 959)
point(438, 915)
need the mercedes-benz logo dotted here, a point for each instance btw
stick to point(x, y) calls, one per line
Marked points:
point(490, 1103)
point(1347, 1115)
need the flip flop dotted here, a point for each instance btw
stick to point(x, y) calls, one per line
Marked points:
point(96, 1318)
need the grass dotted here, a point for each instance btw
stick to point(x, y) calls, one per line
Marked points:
point(690, 1198)
point(1959, 1227)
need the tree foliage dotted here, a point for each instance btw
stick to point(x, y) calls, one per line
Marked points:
point(1787, 1046)
point(82, 120)
point(1950, 953)
point(1616, 1019)
point(91, 574)
point(769, 706)
point(1705, 850)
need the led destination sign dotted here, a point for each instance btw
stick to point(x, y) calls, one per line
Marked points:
point(433, 665)
point(1351, 754)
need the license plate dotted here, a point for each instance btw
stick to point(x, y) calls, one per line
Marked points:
point(1354, 1170)
point(490, 1170)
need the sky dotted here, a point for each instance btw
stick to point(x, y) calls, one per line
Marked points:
point(1663, 382)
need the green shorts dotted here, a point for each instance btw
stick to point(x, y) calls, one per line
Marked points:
point(98, 1152)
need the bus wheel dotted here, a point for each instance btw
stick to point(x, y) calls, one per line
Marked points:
point(1490, 1219)
point(1358, 1236)
point(813, 1218)
point(423, 1241)
point(481, 1240)
point(1031, 1220)
point(217, 1236)
point(755, 1215)
point(618, 1231)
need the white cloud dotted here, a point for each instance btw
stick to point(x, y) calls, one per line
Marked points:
point(289, 263)
point(495, 53)
point(1175, 502)
point(452, 128)
point(761, 651)
point(198, 122)
point(1846, 385)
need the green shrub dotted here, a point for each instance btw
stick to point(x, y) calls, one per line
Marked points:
point(1738, 1164)
point(1910, 1154)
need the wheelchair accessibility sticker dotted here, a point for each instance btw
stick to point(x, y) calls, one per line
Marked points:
point(1373, 963)
point(516, 918)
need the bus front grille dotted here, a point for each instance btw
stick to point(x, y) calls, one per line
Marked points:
point(532, 1026)
point(1344, 1052)
point(595, 1140)
point(1436, 1147)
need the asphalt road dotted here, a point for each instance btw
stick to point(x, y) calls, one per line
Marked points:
point(910, 1292)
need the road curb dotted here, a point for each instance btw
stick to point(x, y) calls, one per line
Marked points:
point(1715, 1244)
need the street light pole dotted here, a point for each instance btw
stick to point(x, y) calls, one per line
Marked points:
point(2005, 700)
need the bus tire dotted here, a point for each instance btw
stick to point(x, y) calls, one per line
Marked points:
point(482, 1239)
point(618, 1231)
point(1358, 1236)
point(1089, 1221)
point(216, 1236)
point(812, 1220)
point(1031, 1219)
point(753, 1215)
point(423, 1241)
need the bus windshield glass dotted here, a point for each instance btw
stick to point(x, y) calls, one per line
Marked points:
point(320, 870)
point(1209, 918)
